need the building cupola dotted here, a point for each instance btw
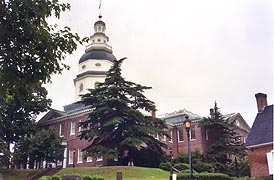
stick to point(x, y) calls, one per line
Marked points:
point(94, 64)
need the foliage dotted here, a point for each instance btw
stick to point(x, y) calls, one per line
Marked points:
point(31, 51)
point(165, 166)
point(116, 123)
point(55, 177)
point(44, 178)
point(44, 145)
point(242, 166)
point(87, 177)
point(181, 166)
point(204, 176)
point(198, 161)
point(223, 140)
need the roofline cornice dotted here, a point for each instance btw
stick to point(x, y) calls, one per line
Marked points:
point(258, 145)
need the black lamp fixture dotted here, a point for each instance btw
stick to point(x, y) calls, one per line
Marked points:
point(187, 123)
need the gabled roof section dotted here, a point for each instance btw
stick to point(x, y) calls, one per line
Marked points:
point(234, 117)
point(178, 117)
point(262, 128)
point(52, 114)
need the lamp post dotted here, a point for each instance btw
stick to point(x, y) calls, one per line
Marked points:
point(171, 156)
point(74, 151)
point(188, 125)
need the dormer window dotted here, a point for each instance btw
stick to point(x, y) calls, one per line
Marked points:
point(81, 87)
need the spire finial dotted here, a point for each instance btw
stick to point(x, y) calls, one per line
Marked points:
point(100, 14)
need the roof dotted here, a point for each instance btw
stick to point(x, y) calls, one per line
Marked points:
point(100, 22)
point(98, 54)
point(178, 117)
point(262, 128)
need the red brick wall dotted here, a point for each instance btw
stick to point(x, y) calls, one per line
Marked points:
point(258, 161)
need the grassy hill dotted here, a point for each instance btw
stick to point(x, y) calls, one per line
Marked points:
point(18, 174)
point(109, 172)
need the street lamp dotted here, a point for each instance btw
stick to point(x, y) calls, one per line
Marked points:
point(187, 123)
point(171, 156)
point(74, 151)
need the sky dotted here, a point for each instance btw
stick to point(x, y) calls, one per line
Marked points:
point(191, 52)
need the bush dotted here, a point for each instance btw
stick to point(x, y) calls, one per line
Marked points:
point(165, 166)
point(181, 166)
point(97, 177)
point(55, 178)
point(44, 178)
point(204, 176)
point(87, 177)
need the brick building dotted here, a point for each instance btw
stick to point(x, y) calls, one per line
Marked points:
point(260, 140)
point(92, 68)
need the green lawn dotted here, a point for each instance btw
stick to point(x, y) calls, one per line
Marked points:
point(109, 173)
point(19, 174)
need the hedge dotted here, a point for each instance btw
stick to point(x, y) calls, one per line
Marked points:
point(55, 177)
point(204, 176)
point(94, 177)
point(44, 178)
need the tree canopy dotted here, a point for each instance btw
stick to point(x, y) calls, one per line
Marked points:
point(116, 124)
point(31, 50)
point(223, 140)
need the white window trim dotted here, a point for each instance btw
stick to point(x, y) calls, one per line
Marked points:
point(60, 130)
point(190, 134)
point(71, 131)
point(80, 158)
point(179, 136)
point(89, 159)
point(99, 158)
point(164, 138)
point(170, 136)
point(71, 155)
point(80, 127)
point(206, 134)
point(156, 136)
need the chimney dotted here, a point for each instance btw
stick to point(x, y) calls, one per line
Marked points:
point(211, 113)
point(153, 112)
point(261, 101)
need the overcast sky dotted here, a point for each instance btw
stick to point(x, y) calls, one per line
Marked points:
point(191, 52)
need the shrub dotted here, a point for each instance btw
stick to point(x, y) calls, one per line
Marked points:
point(181, 166)
point(165, 166)
point(55, 178)
point(97, 177)
point(87, 177)
point(44, 178)
point(204, 176)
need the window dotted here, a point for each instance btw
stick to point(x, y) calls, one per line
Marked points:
point(89, 159)
point(100, 158)
point(192, 134)
point(81, 87)
point(98, 64)
point(80, 156)
point(70, 157)
point(164, 138)
point(96, 84)
point(72, 128)
point(80, 127)
point(84, 66)
point(206, 134)
point(156, 136)
point(98, 40)
point(62, 130)
point(180, 136)
point(170, 140)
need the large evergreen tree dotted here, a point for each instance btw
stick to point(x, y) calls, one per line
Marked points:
point(116, 124)
point(31, 51)
point(223, 140)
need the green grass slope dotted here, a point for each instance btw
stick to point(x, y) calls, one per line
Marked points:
point(109, 172)
point(18, 174)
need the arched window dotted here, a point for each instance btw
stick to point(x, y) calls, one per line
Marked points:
point(81, 87)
